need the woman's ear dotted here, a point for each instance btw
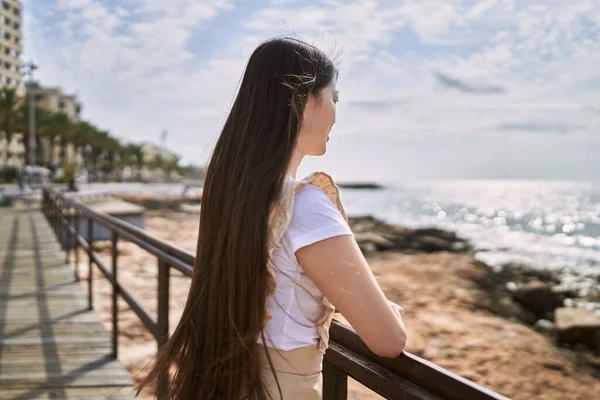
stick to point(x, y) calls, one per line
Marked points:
point(309, 108)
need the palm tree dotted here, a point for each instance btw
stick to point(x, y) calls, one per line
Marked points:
point(57, 124)
point(138, 152)
point(86, 133)
point(69, 136)
point(112, 146)
point(134, 157)
point(42, 118)
point(9, 114)
point(14, 117)
point(172, 165)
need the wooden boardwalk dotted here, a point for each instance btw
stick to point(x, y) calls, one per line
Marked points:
point(51, 345)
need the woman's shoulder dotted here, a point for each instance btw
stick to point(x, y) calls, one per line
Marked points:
point(317, 212)
point(315, 192)
point(310, 197)
point(313, 200)
point(320, 180)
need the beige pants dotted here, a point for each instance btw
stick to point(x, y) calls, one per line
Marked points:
point(298, 372)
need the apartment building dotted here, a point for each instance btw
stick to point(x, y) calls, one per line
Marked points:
point(53, 99)
point(13, 153)
point(10, 44)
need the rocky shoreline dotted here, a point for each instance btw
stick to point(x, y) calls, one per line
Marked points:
point(461, 314)
point(373, 235)
point(561, 303)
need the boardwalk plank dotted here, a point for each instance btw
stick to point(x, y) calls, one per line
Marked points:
point(88, 393)
point(51, 345)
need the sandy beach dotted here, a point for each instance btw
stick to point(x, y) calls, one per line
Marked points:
point(446, 312)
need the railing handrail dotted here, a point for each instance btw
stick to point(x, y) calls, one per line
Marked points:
point(406, 375)
point(426, 374)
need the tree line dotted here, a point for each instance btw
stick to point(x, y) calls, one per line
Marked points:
point(105, 152)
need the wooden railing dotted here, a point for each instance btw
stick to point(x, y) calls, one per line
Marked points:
point(406, 377)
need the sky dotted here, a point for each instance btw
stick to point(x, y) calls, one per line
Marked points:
point(456, 89)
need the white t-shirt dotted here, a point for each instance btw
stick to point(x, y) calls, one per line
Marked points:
point(296, 305)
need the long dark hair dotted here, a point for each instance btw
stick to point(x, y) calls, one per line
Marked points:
point(213, 353)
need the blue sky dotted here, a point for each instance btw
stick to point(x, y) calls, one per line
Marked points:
point(429, 89)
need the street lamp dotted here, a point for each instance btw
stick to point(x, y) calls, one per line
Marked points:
point(117, 166)
point(28, 70)
point(87, 151)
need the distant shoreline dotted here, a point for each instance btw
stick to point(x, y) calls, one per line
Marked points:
point(360, 185)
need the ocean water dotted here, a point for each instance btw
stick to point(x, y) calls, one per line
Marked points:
point(546, 224)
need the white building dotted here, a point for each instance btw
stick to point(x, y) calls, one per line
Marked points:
point(153, 153)
point(12, 154)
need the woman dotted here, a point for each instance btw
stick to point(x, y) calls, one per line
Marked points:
point(274, 253)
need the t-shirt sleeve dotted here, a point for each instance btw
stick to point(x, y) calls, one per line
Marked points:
point(314, 218)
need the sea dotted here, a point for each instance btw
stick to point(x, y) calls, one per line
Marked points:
point(545, 224)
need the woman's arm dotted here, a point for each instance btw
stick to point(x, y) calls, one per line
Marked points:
point(339, 269)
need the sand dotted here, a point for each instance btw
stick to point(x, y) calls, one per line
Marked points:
point(445, 312)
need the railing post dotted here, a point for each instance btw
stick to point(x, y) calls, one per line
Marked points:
point(164, 274)
point(44, 202)
point(55, 215)
point(335, 382)
point(64, 232)
point(90, 240)
point(50, 210)
point(58, 222)
point(76, 248)
point(115, 293)
point(56, 219)
point(69, 236)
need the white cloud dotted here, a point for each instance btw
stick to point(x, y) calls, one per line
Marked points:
point(356, 25)
point(137, 73)
point(480, 8)
point(434, 21)
point(72, 4)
